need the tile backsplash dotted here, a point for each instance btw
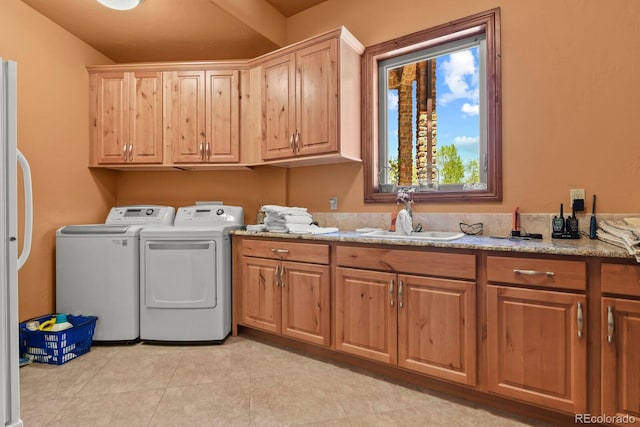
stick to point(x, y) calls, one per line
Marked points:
point(494, 224)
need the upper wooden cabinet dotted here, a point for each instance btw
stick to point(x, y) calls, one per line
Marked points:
point(297, 106)
point(310, 101)
point(202, 108)
point(301, 102)
point(126, 118)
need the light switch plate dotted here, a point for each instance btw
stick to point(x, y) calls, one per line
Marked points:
point(333, 203)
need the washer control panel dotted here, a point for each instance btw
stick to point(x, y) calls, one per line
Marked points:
point(141, 214)
point(209, 215)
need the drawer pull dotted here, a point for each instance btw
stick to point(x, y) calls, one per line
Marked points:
point(534, 272)
point(391, 291)
point(280, 251)
point(400, 303)
point(610, 324)
point(580, 320)
point(275, 277)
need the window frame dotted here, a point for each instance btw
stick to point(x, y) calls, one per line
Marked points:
point(485, 23)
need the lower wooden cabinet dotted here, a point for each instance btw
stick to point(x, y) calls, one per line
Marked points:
point(420, 323)
point(437, 327)
point(620, 349)
point(537, 347)
point(417, 310)
point(286, 297)
point(366, 316)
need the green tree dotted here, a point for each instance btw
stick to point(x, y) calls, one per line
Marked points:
point(450, 165)
point(472, 172)
point(393, 171)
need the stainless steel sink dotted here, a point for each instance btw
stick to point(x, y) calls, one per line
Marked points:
point(422, 235)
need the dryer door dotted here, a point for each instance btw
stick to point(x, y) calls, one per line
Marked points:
point(179, 274)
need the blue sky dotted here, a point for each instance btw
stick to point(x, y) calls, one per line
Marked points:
point(457, 105)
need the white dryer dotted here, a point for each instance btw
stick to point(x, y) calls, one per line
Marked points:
point(185, 276)
point(98, 269)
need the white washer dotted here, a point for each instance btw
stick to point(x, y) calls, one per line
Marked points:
point(98, 269)
point(185, 276)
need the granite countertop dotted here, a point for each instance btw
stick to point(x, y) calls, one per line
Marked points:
point(578, 247)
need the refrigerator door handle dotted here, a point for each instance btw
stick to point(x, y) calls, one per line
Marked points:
point(28, 209)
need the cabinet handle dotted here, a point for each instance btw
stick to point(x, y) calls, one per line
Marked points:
point(400, 303)
point(282, 276)
point(533, 272)
point(124, 152)
point(610, 324)
point(130, 152)
point(296, 143)
point(280, 251)
point(291, 142)
point(391, 291)
point(207, 151)
point(201, 150)
point(275, 277)
point(580, 319)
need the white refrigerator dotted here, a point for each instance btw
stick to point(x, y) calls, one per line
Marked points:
point(10, 262)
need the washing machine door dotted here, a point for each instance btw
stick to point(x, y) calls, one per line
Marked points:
point(179, 274)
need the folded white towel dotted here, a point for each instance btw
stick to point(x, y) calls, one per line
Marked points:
point(298, 219)
point(283, 210)
point(276, 229)
point(256, 227)
point(274, 220)
point(310, 229)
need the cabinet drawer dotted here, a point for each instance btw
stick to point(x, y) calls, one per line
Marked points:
point(537, 272)
point(621, 279)
point(461, 266)
point(304, 252)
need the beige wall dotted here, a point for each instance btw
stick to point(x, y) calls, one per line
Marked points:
point(569, 99)
point(568, 120)
point(53, 134)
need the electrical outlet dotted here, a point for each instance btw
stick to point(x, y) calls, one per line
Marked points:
point(333, 203)
point(575, 194)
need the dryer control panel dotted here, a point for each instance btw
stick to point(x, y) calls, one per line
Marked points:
point(141, 214)
point(209, 215)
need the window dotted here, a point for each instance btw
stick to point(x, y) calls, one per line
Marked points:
point(431, 116)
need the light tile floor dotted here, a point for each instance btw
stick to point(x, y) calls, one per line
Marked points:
point(240, 383)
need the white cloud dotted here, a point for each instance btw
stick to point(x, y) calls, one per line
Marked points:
point(392, 99)
point(466, 140)
point(471, 110)
point(460, 77)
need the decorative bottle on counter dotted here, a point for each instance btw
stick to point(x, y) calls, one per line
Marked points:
point(260, 216)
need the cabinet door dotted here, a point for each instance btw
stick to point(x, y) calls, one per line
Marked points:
point(223, 111)
point(366, 315)
point(145, 117)
point(306, 312)
point(187, 112)
point(278, 107)
point(536, 347)
point(437, 327)
point(112, 118)
point(317, 99)
point(620, 357)
point(261, 294)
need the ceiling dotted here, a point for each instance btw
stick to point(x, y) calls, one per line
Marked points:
point(177, 30)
